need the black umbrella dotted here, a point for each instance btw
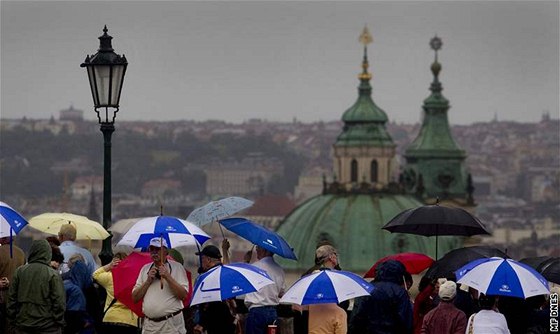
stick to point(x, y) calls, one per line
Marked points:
point(436, 220)
point(548, 266)
point(457, 258)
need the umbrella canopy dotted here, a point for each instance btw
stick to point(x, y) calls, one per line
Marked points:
point(260, 236)
point(414, 263)
point(457, 258)
point(86, 229)
point(123, 225)
point(503, 277)
point(227, 281)
point(11, 222)
point(175, 231)
point(436, 220)
point(220, 209)
point(327, 286)
point(124, 279)
point(548, 266)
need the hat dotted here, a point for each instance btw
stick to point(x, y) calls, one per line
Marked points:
point(158, 242)
point(448, 290)
point(210, 251)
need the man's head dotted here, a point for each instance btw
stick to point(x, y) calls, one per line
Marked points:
point(209, 257)
point(327, 256)
point(158, 247)
point(487, 302)
point(67, 232)
point(262, 252)
point(447, 291)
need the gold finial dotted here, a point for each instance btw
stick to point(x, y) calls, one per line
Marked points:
point(365, 37)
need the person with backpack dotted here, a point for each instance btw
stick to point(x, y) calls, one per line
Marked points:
point(117, 317)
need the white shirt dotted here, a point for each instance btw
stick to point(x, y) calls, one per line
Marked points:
point(270, 294)
point(488, 322)
point(158, 302)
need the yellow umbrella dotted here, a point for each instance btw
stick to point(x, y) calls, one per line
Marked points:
point(86, 229)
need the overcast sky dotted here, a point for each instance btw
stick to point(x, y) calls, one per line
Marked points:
point(279, 60)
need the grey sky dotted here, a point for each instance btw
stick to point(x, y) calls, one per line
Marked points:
point(279, 60)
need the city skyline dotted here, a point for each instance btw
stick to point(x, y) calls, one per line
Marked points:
point(278, 61)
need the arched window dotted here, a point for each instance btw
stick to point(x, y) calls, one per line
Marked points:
point(373, 171)
point(354, 171)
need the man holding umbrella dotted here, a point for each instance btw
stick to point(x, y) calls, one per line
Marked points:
point(162, 285)
point(262, 304)
point(213, 317)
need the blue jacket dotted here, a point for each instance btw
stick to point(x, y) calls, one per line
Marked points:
point(387, 310)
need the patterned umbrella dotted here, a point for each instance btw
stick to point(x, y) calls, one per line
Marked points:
point(11, 222)
point(217, 210)
point(327, 286)
point(502, 277)
point(227, 281)
point(175, 231)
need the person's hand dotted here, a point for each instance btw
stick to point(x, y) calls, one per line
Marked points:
point(112, 264)
point(247, 257)
point(225, 245)
point(152, 274)
point(198, 329)
point(4, 282)
point(163, 272)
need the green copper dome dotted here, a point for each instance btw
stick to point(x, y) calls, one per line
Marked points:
point(352, 223)
point(364, 109)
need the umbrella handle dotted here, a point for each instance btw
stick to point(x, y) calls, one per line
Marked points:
point(161, 258)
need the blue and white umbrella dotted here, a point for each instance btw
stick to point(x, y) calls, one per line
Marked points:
point(217, 210)
point(503, 277)
point(175, 231)
point(260, 236)
point(11, 222)
point(227, 281)
point(327, 286)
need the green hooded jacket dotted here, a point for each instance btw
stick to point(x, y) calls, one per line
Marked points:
point(36, 297)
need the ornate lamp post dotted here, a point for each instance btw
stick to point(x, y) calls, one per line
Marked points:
point(106, 71)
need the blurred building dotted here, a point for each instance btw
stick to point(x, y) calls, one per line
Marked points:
point(364, 193)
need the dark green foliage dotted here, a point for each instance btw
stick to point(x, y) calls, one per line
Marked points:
point(28, 158)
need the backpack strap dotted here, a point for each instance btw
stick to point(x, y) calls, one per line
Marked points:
point(110, 304)
point(471, 324)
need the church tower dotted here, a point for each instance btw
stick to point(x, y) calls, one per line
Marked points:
point(435, 164)
point(364, 152)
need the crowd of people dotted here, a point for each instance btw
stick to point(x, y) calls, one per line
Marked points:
point(56, 289)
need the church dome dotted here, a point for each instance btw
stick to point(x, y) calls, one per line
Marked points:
point(352, 223)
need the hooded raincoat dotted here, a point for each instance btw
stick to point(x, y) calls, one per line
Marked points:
point(387, 309)
point(36, 297)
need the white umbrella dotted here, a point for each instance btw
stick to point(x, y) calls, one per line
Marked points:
point(327, 286)
point(227, 281)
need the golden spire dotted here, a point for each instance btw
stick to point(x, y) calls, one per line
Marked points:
point(365, 39)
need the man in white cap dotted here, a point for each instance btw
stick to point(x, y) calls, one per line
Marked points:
point(162, 285)
point(445, 318)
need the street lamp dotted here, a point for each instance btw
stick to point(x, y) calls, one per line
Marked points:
point(106, 71)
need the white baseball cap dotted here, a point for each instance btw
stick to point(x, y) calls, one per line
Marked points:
point(158, 242)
